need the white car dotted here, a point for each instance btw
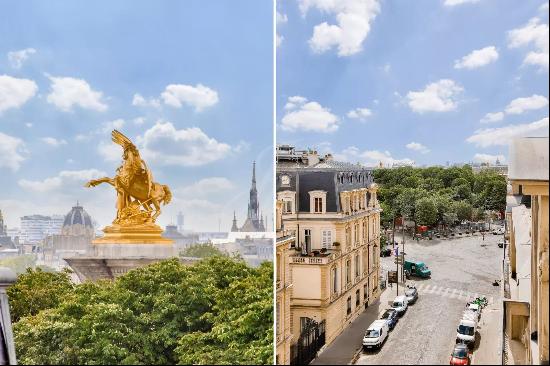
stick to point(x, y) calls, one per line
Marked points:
point(475, 308)
point(376, 334)
point(400, 304)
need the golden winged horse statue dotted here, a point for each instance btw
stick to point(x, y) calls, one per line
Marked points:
point(136, 190)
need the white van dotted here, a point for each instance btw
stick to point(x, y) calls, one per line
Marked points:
point(376, 334)
point(400, 304)
point(466, 331)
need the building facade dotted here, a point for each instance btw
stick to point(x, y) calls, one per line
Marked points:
point(332, 209)
point(34, 228)
point(525, 267)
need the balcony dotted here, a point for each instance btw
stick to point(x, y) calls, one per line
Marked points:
point(334, 296)
point(315, 257)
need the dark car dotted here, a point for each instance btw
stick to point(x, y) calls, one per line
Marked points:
point(391, 318)
point(460, 355)
point(412, 294)
point(385, 252)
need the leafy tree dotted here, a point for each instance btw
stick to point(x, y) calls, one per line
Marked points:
point(463, 210)
point(147, 315)
point(20, 263)
point(463, 192)
point(37, 290)
point(204, 250)
point(426, 211)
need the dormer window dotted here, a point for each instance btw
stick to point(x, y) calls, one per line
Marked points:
point(289, 201)
point(317, 201)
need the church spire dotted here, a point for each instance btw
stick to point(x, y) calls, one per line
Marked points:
point(234, 227)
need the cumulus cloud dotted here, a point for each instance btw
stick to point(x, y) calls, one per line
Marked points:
point(281, 18)
point(17, 58)
point(15, 92)
point(110, 152)
point(206, 187)
point(139, 120)
point(199, 96)
point(353, 18)
point(308, 116)
point(535, 35)
point(440, 96)
point(116, 124)
point(458, 2)
point(139, 101)
point(65, 178)
point(478, 58)
point(489, 159)
point(416, 146)
point(279, 39)
point(67, 92)
point(164, 144)
point(520, 105)
point(492, 117)
point(360, 113)
point(370, 157)
point(52, 141)
point(12, 152)
point(503, 135)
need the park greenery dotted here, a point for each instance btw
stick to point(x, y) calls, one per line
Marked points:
point(439, 196)
point(203, 250)
point(217, 311)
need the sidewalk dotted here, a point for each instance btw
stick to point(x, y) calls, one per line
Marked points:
point(343, 349)
point(489, 351)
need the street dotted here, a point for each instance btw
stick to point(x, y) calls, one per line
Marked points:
point(462, 269)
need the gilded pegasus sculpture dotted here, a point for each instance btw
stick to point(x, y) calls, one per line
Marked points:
point(138, 197)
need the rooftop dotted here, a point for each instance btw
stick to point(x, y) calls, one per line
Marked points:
point(528, 159)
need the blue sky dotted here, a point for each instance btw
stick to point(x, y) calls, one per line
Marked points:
point(189, 81)
point(402, 81)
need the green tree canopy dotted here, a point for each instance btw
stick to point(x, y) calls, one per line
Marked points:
point(203, 250)
point(463, 210)
point(426, 211)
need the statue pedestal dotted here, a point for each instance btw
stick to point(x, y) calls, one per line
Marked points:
point(123, 249)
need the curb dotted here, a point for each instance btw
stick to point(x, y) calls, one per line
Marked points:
point(355, 357)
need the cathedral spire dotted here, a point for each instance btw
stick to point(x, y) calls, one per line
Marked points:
point(234, 227)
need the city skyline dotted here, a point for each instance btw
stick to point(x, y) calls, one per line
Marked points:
point(197, 103)
point(432, 82)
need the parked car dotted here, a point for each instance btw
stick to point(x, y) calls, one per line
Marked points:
point(375, 335)
point(391, 318)
point(475, 308)
point(498, 231)
point(412, 294)
point(466, 331)
point(386, 252)
point(460, 355)
point(400, 305)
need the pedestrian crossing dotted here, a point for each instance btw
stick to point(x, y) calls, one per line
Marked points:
point(452, 293)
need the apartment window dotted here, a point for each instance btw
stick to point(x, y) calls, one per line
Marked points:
point(348, 236)
point(288, 206)
point(277, 315)
point(326, 239)
point(278, 267)
point(356, 229)
point(365, 291)
point(357, 297)
point(305, 322)
point(357, 266)
point(365, 231)
point(334, 280)
point(348, 271)
point(318, 205)
point(349, 305)
point(307, 238)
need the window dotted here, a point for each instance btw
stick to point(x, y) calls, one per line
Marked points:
point(318, 204)
point(348, 236)
point(288, 206)
point(277, 317)
point(365, 291)
point(356, 236)
point(348, 271)
point(357, 297)
point(349, 305)
point(334, 280)
point(278, 267)
point(326, 239)
point(357, 273)
point(305, 322)
point(307, 238)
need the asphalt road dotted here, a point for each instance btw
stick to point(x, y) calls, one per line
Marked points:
point(462, 269)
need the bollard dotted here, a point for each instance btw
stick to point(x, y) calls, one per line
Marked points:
point(7, 346)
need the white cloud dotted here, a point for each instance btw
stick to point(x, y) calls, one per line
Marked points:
point(63, 179)
point(490, 159)
point(308, 116)
point(15, 92)
point(68, 92)
point(139, 101)
point(492, 117)
point(386, 68)
point(360, 113)
point(28, 124)
point(199, 96)
point(110, 152)
point(52, 141)
point(353, 17)
point(370, 157)
point(281, 18)
point(139, 120)
point(477, 58)
point(12, 152)
point(520, 105)
point(205, 188)
point(279, 39)
point(544, 8)
point(164, 144)
point(440, 96)
point(17, 58)
point(116, 124)
point(416, 146)
point(503, 135)
point(533, 34)
point(458, 2)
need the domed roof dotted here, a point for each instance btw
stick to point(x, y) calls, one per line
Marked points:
point(77, 215)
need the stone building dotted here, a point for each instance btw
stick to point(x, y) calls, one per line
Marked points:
point(254, 220)
point(283, 284)
point(525, 304)
point(8, 246)
point(332, 209)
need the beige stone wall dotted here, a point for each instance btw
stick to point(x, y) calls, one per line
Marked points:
point(283, 331)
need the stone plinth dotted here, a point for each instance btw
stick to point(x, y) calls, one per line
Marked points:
point(135, 234)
